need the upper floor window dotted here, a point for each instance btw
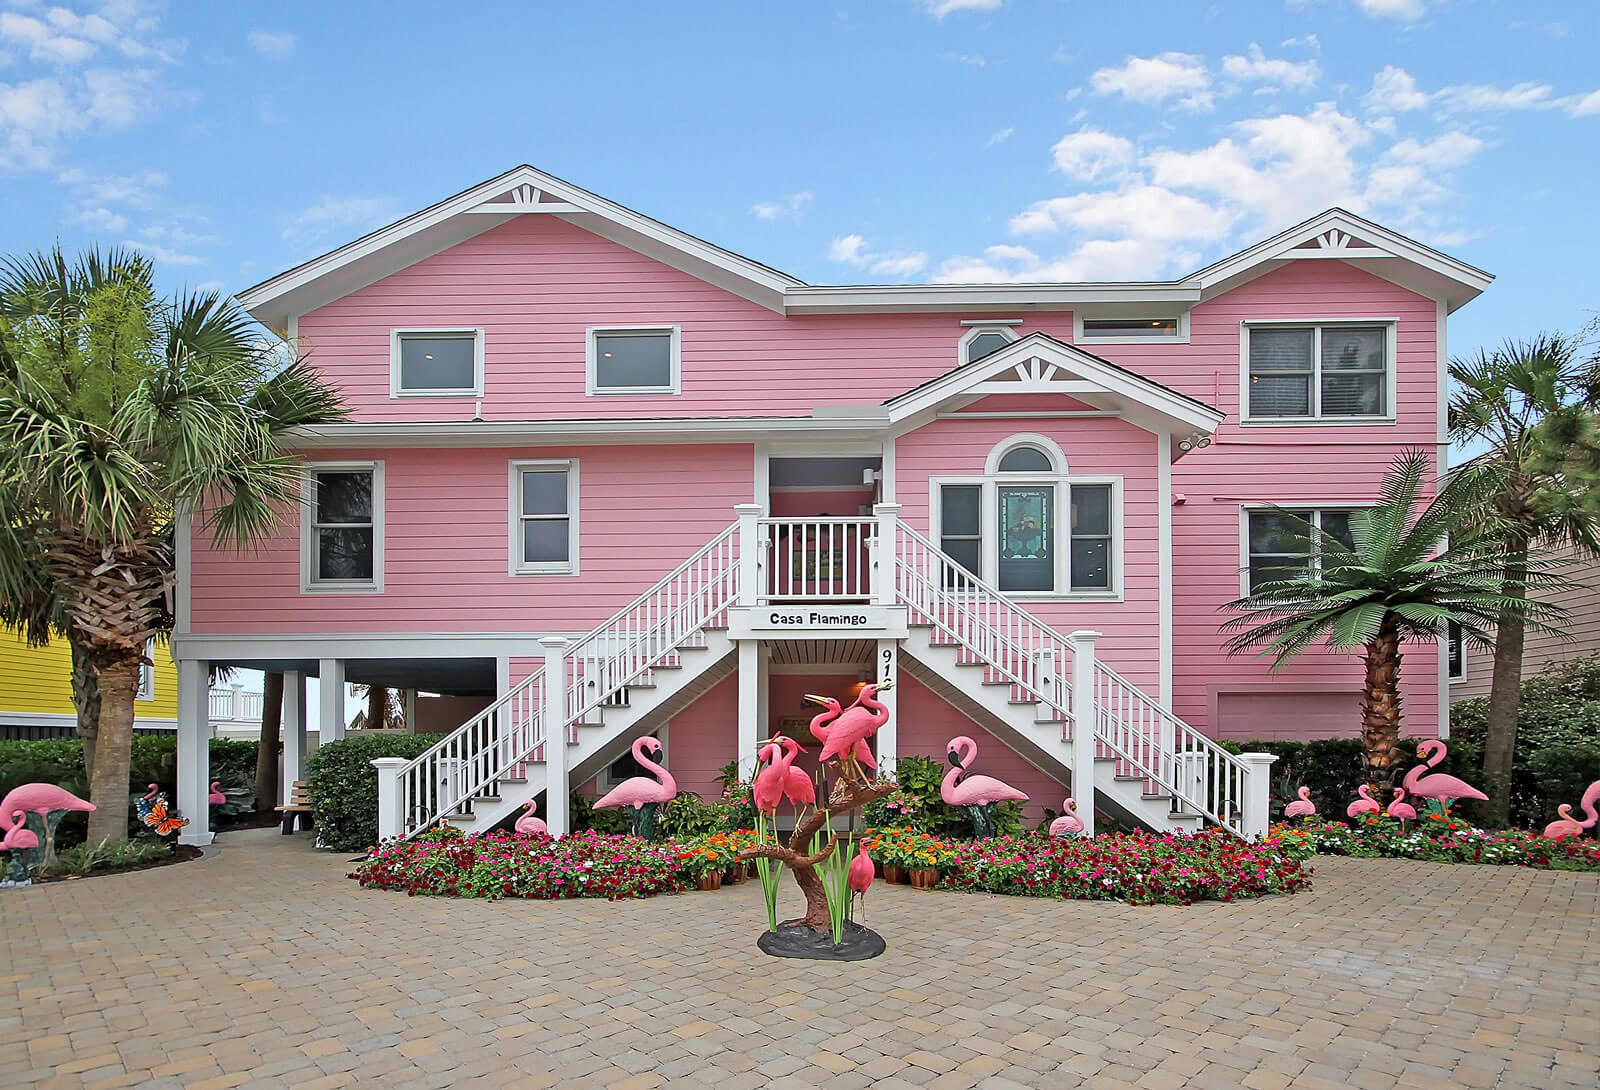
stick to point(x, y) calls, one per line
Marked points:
point(1319, 372)
point(1133, 330)
point(1280, 547)
point(634, 360)
point(436, 363)
point(342, 528)
point(984, 340)
point(147, 673)
point(544, 517)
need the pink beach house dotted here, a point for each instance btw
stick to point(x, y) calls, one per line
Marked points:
point(604, 479)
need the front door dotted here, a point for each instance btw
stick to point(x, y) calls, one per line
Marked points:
point(1027, 537)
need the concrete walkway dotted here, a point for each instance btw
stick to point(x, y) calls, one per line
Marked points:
point(265, 967)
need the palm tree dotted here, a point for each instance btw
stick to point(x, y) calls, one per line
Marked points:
point(121, 414)
point(1380, 584)
point(1532, 404)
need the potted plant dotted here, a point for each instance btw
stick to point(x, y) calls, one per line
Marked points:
point(889, 847)
point(705, 861)
point(923, 860)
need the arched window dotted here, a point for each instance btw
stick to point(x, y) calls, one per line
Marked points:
point(1026, 459)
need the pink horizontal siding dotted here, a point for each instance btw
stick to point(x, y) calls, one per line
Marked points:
point(447, 551)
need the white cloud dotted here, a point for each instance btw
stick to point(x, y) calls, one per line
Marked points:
point(163, 255)
point(1484, 97)
point(1394, 91)
point(334, 215)
point(1444, 152)
point(1257, 67)
point(790, 207)
point(1403, 10)
point(1154, 80)
point(852, 249)
point(46, 42)
point(275, 45)
point(1092, 155)
point(940, 8)
point(99, 218)
point(1000, 136)
point(1149, 211)
point(971, 60)
point(1584, 105)
point(119, 96)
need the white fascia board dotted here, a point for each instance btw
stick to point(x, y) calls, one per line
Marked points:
point(478, 433)
point(844, 299)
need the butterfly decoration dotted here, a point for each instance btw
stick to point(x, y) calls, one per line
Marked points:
point(161, 820)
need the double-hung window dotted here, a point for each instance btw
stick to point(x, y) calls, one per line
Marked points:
point(544, 518)
point(436, 363)
point(1328, 371)
point(643, 360)
point(342, 528)
point(1279, 545)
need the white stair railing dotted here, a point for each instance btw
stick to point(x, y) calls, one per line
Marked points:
point(1146, 740)
point(816, 559)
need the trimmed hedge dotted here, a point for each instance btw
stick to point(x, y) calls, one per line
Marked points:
point(343, 786)
point(154, 760)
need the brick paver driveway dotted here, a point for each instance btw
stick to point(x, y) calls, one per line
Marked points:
point(263, 966)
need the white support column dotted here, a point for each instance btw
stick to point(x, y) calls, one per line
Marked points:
point(883, 554)
point(887, 667)
point(294, 732)
point(750, 553)
point(1085, 714)
point(749, 706)
point(331, 718)
point(194, 750)
point(1256, 806)
point(391, 823)
point(557, 789)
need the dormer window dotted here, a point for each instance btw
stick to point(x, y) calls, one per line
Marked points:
point(1132, 329)
point(643, 360)
point(984, 340)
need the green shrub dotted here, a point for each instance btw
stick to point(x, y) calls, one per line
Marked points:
point(343, 786)
point(920, 805)
point(613, 820)
point(689, 816)
point(87, 858)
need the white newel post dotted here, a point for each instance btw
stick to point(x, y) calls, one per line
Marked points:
point(294, 732)
point(749, 706)
point(391, 822)
point(194, 750)
point(236, 701)
point(883, 555)
point(888, 737)
point(1257, 802)
point(750, 558)
point(557, 790)
point(331, 719)
point(1085, 714)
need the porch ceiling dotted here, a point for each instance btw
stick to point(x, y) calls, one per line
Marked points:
point(455, 677)
point(822, 652)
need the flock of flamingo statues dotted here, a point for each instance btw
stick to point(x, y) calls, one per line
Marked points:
point(51, 803)
point(1423, 783)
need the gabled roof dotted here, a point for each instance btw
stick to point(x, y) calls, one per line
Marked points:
point(1041, 366)
point(524, 190)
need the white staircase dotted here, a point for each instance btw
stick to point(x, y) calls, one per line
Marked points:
point(1046, 695)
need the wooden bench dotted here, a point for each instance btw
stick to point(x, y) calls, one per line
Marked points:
point(299, 806)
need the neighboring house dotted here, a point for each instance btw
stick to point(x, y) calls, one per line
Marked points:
point(1471, 668)
point(602, 478)
point(36, 690)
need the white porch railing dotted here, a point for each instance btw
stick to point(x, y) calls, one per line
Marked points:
point(233, 704)
point(816, 559)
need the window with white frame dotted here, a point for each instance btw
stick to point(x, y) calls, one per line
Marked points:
point(1280, 546)
point(1134, 330)
point(436, 363)
point(147, 673)
point(643, 360)
point(984, 340)
point(342, 527)
point(1331, 371)
point(544, 517)
point(1009, 527)
point(1455, 652)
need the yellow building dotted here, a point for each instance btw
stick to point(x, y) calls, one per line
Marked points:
point(36, 689)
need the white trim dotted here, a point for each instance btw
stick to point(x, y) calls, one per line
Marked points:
point(69, 719)
point(1442, 378)
point(147, 672)
point(1180, 334)
point(309, 584)
point(886, 473)
point(1058, 458)
point(310, 646)
point(674, 357)
point(979, 329)
point(1316, 505)
point(858, 298)
point(833, 430)
point(1391, 349)
point(1165, 574)
point(517, 566)
point(990, 321)
point(397, 335)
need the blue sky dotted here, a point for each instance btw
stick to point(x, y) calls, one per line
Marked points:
point(897, 140)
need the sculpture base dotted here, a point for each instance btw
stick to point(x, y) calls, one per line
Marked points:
point(800, 941)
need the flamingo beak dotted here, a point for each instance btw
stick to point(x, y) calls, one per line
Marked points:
point(822, 700)
point(955, 759)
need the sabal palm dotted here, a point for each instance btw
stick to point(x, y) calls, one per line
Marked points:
point(1389, 584)
point(1532, 405)
point(120, 412)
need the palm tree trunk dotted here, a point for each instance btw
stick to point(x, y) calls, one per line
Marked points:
point(86, 701)
point(377, 707)
point(118, 682)
point(1505, 692)
point(271, 739)
point(1380, 708)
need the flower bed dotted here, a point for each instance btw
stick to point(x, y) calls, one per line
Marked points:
point(1137, 868)
point(1437, 838)
point(444, 862)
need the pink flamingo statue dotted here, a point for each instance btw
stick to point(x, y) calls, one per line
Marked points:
point(797, 787)
point(23, 844)
point(528, 825)
point(1069, 823)
point(857, 723)
point(767, 790)
point(44, 799)
point(1366, 804)
point(1571, 826)
point(832, 709)
point(1401, 810)
point(1301, 807)
point(977, 793)
point(1437, 786)
point(644, 794)
point(860, 877)
point(216, 797)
